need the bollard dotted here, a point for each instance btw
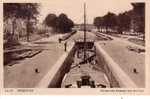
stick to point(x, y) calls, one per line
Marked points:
point(59, 40)
point(65, 45)
point(37, 70)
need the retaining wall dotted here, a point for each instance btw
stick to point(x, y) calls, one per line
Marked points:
point(54, 77)
point(116, 76)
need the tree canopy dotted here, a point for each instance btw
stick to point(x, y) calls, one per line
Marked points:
point(110, 20)
point(98, 22)
point(61, 23)
point(50, 20)
point(25, 11)
point(124, 22)
point(21, 10)
point(129, 20)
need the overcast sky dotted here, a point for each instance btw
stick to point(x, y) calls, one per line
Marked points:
point(74, 8)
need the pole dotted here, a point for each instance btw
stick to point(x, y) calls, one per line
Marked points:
point(84, 30)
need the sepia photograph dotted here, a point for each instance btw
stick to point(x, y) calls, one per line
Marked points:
point(74, 44)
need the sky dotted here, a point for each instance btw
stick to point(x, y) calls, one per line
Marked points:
point(74, 8)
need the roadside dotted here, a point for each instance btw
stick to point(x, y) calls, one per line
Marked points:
point(29, 68)
point(132, 62)
point(27, 49)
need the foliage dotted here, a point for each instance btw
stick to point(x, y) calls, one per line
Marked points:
point(21, 10)
point(130, 20)
point(61, 23)
point(50, 20)
point(109, 20)
point(64, 23)
point(124, 22)
point(98, 22)
point(25, 11)
point(138, 15)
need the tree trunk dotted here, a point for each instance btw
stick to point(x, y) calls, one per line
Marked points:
point(27, 26)
point(13, 26)
point(98, 29)
point(12, 39)
point(144, 37)
point(106, 29)
point(120, 30)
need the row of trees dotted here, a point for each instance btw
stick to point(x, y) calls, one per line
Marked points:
point(20, 20)
point(59, 24)
point(24, 11)
point(111, 21)
point(133, 19)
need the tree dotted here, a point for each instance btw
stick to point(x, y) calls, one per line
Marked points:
point(124, 22)
point(60, 24)
point(138, 18)
point(51, 21)
point(27, 11)
point(70, 24)
point(10, 11)
point(109, 20)
point(98, 22)
point(64, 24)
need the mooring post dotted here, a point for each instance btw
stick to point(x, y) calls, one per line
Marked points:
point(59, 40)
point(65, 45)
